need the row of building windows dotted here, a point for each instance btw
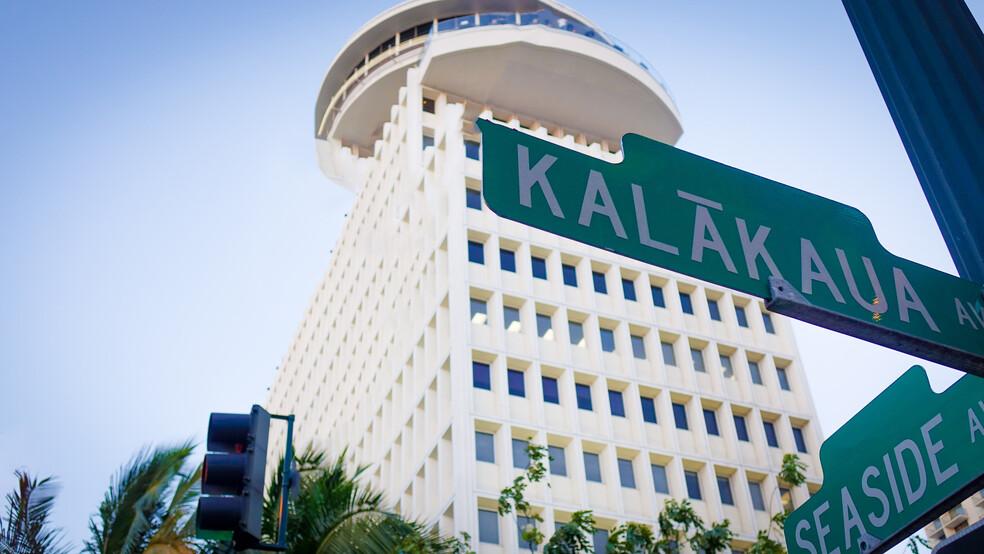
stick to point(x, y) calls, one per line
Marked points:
point(516, 383)
point(507, 262)
point(512, 322)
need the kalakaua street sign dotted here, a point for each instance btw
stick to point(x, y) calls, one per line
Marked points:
point(808, 256)
point(905, 458)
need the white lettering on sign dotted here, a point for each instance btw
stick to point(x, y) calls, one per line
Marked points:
point(704, 225)
point(823, 530)
point(975, 424)
point(852, 518)
point(643, 223)
point(537, 175)
point(933, 448)
point(962, 314)
point(909, 300)
point(804, 525)
point(879, 306)
point(872, 492)
point(810, 259)
point(597, 187)
point(911, 494)
point(755, 248)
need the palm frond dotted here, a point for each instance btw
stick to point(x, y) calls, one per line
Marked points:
point(27, 529)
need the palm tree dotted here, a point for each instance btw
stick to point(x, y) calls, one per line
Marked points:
point(149, 507)
point(332, 512)
point(27, 528)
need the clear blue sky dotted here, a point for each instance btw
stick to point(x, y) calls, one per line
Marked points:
point(163, 220)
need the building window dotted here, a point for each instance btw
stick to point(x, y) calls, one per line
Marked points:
point(786, 497)
point(607, 340)
point(711, 422)
point(800, 439)
point(767, 322)
point(510, 319)
point(726, 369)
point(625, 473)
point(724, 489)
point(481, 376)
point(713, 309)
point(558, 460)
point(488, 527)
point(686, 303)
point(698, 357)
point(521, 458)
point(576, 330)
point(628, 289)
point(753, 369)
point(648, 409)
point(669, 356)
point(758, 499)
point(741, 428)
point(599, 540)
point(680, 416)
point(570, 275)
point(507, 260)
point(517, 383)
point(427, 104)
point(592, 467)
point(658, 299)
point(770, 434)
point(615, 401)
point(522, 523)
point(476, 252)
point(472, 149)
point(660, 483)
point(638, 347)
point(484, 447)
point(427, 141)
point(479, 311)
point(599, 282)
point(583, 394)
point(473, 199)
point(544, 327)
point(539, 266)
point(783, 378)
point(551, 393)
point(693, 484)
point(740, 314)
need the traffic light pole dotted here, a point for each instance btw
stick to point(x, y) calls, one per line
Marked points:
point(285, 482)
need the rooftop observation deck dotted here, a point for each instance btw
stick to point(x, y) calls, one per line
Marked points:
point(535, 57)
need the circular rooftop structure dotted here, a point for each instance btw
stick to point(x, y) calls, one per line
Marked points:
point(536, 58)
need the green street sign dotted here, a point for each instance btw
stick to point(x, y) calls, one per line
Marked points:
point(691, 215)
point(904, 459)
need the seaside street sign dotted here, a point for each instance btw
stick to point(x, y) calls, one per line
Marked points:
point(809, 257)
point(903, 460)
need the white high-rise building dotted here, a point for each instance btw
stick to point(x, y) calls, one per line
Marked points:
point(443, 337)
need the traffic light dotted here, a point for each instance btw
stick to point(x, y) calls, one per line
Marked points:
point(231, 505)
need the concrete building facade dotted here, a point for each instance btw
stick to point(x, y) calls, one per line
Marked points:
point(443, 338)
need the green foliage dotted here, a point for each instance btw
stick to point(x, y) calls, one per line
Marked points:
point(149, 507)
point(573, 536)
point(332, 513)
point(631, 538)
point(764, 544)
point(914, 542)
point(792, 470)
point(26, 529)
point(513, 497)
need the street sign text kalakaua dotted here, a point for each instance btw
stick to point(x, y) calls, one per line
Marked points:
point(905, 458)
point(679, 211)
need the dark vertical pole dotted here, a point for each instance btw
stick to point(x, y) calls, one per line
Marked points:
point(928, 59)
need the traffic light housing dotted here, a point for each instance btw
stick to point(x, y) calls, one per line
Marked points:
point(231, 504)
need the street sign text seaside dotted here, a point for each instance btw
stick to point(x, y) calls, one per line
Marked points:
point(691, 215)
point(906, 457)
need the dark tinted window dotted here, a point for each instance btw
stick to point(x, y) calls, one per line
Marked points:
point(488, 526)
point(539, 266)
point(583, 393)
point(628, 289)
point(544, 326)
point(658, 300)
point(741, 428)
point(711, 422)
point(686, 303)
point(550, 392)
point(648, 409)
point(599, 282)
point(800, 439)
point(783, 378)
point(753, 369)
point(576, 330)
point(698, 357)
point(507, 260)
point(770, 434)
point(712, 308)
point(476, 252)
point(472, 149)
point(481, 376)
point(724, 489)
point(558, 462)
point(521, 459)
point(740, 314)
point(680, 416)
point(693, 484)
point(767, 322)
point(669, 356)
point(607, 340)
point(517, 383)
point(758, 499)
point(570, 275)
point(625, 473)
point(592, 467)
point(473, 199)
point(638, 347)
point(484, 447)
point(660, 482)
point(615, 401)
